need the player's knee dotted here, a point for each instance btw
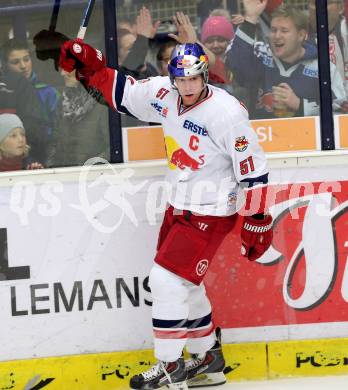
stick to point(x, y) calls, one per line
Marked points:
point(165, 285)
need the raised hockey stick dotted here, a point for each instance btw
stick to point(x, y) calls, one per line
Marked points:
point(47, 42)
point(54, 16)
point(85, 20)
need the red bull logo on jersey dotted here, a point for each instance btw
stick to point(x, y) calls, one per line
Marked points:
point(179, 158)
point(195, 128)
point(183, 160)
point(265, 101)
point(241, 144)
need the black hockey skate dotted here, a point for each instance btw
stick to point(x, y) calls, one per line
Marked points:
point(166, 375)
point(207, 369)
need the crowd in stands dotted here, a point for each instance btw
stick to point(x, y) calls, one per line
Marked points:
point(267, 57)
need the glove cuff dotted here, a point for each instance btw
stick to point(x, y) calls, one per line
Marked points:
point(251, 224)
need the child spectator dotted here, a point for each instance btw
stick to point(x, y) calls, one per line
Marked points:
point(16, 57)
point(217, 32)
point(13, 145)
point(163, 56)
point(82, 129)
point(17, 96)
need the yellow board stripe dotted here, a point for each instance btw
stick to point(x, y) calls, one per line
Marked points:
point(308, 358)
point(245, 361)
point(112, 371)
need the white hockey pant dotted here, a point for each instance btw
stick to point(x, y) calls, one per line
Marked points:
point(181, 314)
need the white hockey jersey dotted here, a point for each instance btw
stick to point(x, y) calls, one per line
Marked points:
point(211, 146)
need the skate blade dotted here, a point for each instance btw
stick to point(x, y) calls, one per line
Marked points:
point(177, 386)
point(202, 380)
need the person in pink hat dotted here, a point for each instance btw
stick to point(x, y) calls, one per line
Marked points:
point(217, 32)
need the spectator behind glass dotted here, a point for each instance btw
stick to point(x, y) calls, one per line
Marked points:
point(205, 8)
point(17, 58)
point(264, 21)
point(221, 12)
point(132, 50)
point(125, 42)
point(186, 33)
point(163, 56)
point(14, 150)
point(127, 24)
point(82, 129)
point(287, 72)
point(338, 35)
point(217, 32)
point(266, 15)
point(17, 96)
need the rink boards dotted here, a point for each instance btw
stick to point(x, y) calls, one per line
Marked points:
point(112, 371)
point(75, 254)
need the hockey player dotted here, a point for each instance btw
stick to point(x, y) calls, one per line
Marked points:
point(211, 149)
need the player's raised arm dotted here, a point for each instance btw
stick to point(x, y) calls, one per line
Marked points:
point(122, 93)
point(90, 65)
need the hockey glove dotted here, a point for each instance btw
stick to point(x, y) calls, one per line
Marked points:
point(75, 54)
point(256, 236)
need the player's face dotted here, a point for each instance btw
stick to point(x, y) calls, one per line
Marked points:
point(217, 45)
point(14, 144)
point(190, 88)
point(19, 61)
point(286, 39)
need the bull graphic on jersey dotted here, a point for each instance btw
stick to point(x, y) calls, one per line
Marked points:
point(241, 144)
point(182, 160)
point(179, 158)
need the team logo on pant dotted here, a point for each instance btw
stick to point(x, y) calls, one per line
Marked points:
point(202, 267)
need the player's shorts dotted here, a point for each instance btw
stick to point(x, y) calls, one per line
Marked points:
point(187, 242)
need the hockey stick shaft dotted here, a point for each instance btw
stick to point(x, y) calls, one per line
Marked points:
point(85, 20)
point(54, 16)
